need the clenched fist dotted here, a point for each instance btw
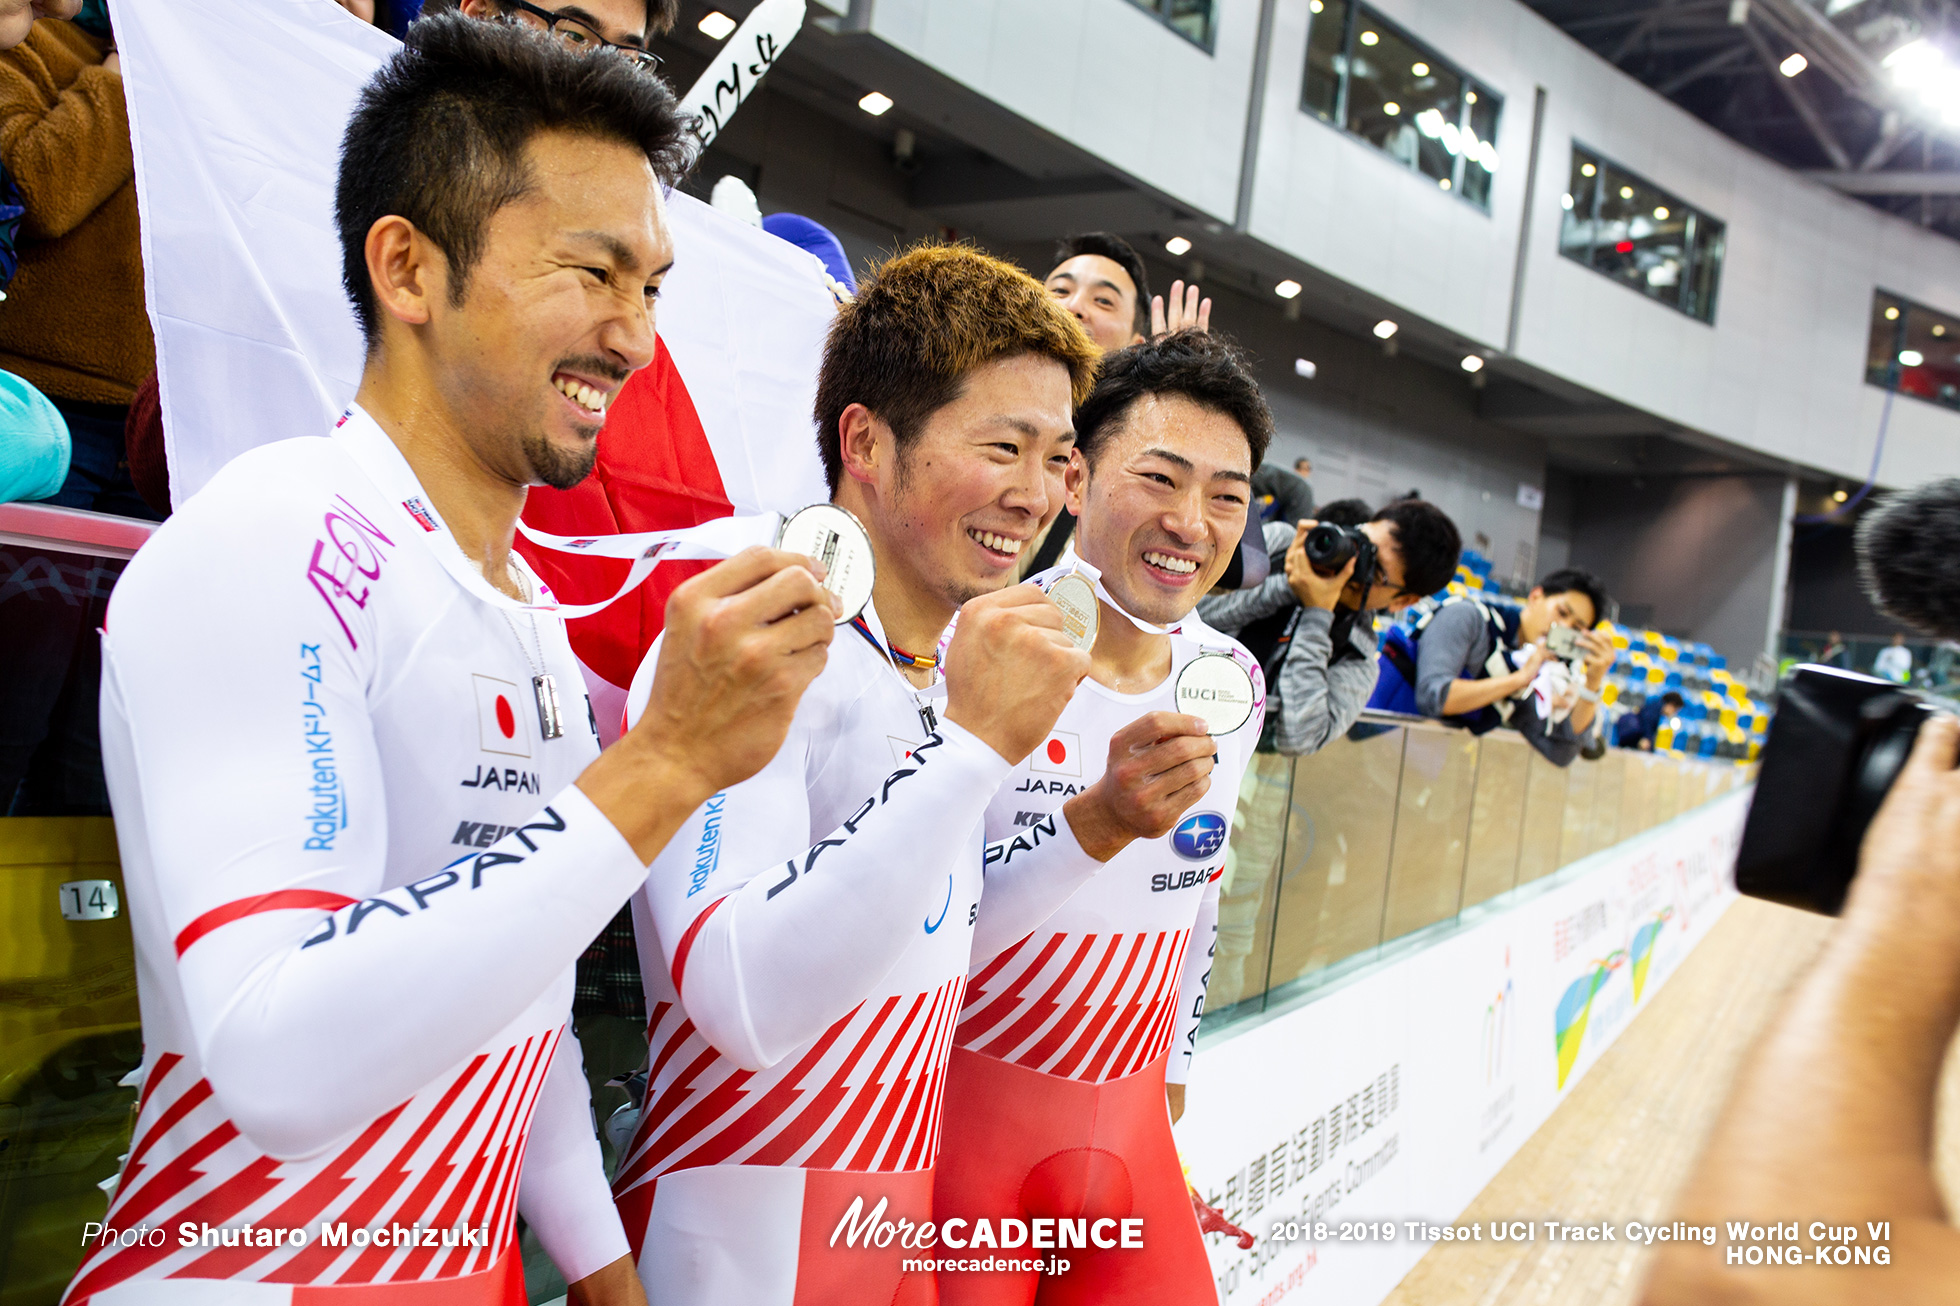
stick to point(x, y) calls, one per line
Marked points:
point(1011, 669)
point(744, 639)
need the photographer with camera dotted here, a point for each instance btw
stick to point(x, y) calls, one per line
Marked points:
point(1831, 1117)
point(1537, 670)
point(1311, 621)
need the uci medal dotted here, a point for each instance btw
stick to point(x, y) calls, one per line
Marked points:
point(1081, 613)
point(1217, 690)
point(835, 538)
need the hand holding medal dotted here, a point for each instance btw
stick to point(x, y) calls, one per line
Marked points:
point(1218, 691)
point(1075, 595)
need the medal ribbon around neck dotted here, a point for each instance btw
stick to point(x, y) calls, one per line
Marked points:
point(1070, 558)
point(1211, 686)
point(898, 654)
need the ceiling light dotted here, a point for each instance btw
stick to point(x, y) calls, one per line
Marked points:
point(1369, 38)
point(1469, 97)
point(1385, 328)
point(875, 102)
point(1892, 314)
point(1921, 69)
point(1795, 64)
point(1588, 170)
point(715, 25)
point(1472, 363)
point(1839, 496)
point(1303, 367)
point(1661, 213)
point(1391, 108)
point(1626, 192)
point(1177, 245)
point(1287, 289)
point(1911, 357)
point(1938, 330)
point(1444, 182)
point(1565, 201)
point(1316, 6)
point(1419, 69)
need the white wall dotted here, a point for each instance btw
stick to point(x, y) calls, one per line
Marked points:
point(1781, 371)
point(1782, 368)
point(1348, 208)
point(1103, 75)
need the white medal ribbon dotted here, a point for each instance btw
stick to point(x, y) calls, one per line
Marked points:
point(723, 537)
point(1070, 558)
point(1212, 686)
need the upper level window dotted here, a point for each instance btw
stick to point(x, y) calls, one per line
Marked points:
point(1372, 78)
point(1641, 236)
point(1191, 19)
point(1914, 348)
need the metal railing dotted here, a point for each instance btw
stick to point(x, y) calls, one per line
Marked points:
point(1402, 826)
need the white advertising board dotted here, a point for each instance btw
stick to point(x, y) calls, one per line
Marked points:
point(1400, 1095)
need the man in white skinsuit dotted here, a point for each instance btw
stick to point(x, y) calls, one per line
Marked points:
point(328, 664)
point(805, 940)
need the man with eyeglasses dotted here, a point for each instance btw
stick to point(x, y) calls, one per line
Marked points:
point(622, 25)
point(1314, 634)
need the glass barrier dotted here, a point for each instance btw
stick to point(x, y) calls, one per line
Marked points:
point(1400, 827)
point(1333, 880)
point(69, 1030)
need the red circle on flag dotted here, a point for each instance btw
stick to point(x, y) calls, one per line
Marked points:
point(506, 719)
point(1057, 751)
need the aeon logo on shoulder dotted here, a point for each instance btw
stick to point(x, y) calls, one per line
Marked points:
point(1199, 837)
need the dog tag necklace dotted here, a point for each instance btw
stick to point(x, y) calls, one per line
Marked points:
point(544, 685)
point(894, 656)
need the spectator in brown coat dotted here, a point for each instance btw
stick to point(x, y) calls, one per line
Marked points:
point(73, 322)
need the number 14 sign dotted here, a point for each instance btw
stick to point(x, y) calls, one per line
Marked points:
point(89, 900)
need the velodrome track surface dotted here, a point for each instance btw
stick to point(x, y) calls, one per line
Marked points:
point(1621, 1145)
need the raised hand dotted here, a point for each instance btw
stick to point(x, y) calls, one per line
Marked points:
point(1184, 311)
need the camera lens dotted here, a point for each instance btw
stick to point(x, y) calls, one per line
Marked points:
point(1328, 548)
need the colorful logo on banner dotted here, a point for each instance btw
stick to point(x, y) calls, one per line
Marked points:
point(1569, 1022)
point(1497, 1026)
point(1644, 940)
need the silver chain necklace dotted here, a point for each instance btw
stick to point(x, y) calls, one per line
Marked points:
point(544, 686)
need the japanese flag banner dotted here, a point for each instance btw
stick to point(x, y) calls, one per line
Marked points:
point(236, 113)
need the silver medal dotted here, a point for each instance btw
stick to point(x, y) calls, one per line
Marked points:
point(1214, 688)
point(835, 538)
point(1081, 613)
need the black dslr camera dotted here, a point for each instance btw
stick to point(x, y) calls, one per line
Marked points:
point(1839, 739)
point(1834, 749)
point(1329, 546)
